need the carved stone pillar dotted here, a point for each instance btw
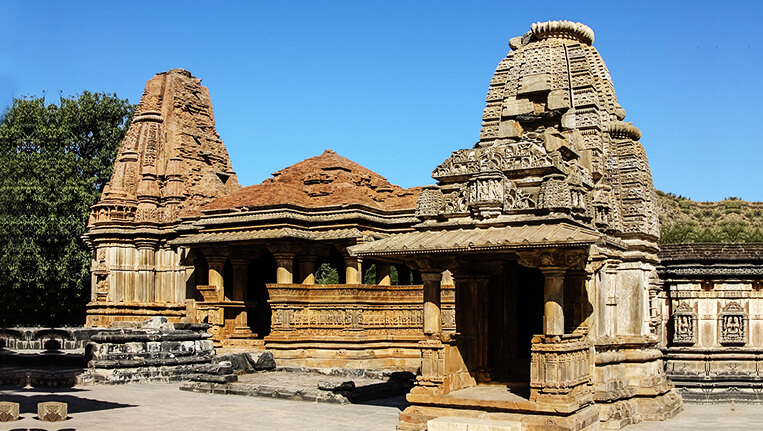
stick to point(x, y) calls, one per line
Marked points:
point(307, 268)
point(240, 266)
point(553, 300)
point(216, 270)
point(144, 289)
point(432, 323)
point(382, 274)
point(285, 270)
point(354, 270)
point(580, 306)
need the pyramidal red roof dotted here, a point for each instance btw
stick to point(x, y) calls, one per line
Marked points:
point(325, 180)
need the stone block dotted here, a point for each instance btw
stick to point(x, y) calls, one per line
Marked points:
point(9, 411)
point(513, 107)
point(558, 99)
point(534, 84)
point(52, 411)
point(155, 322)
point(336, 386)
point(239, 362)
point(510, 129)
point(262, 361)
point(471, 424)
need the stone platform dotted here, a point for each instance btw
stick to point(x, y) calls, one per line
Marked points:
point(163, 406)
point(312, 385)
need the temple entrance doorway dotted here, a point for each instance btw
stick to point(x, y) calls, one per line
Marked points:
point(515, 316)
point(501, 320)
point(260, 272)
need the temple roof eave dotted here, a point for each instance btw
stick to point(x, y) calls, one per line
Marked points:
point(268, 235)
point(491, 239)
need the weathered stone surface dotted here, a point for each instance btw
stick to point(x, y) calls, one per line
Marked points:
point(336, 386)
point(52, 411)
point(261, 361)
point(9, 411)
point(510, 129)
point(558, 99)
point(539, 83)
point(170, 163)
point(471, 424)
point(514, 107)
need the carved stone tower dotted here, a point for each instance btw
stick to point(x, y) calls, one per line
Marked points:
point(555, 198)
point(553, 145)
point(170, 163)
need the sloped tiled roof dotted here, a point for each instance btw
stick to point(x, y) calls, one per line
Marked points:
point(325, 180)
point(478, 239)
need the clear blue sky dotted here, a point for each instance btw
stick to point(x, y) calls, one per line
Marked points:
point(398, 85)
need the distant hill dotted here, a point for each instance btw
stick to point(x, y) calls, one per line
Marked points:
point(731, 220)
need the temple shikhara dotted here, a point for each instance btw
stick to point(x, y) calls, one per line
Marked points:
point(525, 288)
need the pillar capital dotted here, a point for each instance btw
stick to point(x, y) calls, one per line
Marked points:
point(431, 277)
point(239, 261)
point(553, 271)
point(146, 243)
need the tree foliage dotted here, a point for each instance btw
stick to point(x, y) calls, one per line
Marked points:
point(54, 161)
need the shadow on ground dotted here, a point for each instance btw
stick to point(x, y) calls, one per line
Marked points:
point(29, 398)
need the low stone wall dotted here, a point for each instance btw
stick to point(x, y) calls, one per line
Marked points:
point(351, 326)
point(154, 350)
point(51, 339)
point(713, 320)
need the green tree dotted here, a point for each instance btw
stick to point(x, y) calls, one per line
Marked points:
point(54, 161)
point(326, 274)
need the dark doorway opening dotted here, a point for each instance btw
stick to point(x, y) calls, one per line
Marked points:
point(260, 272)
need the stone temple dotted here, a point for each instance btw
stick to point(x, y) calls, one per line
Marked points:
point(522, 288)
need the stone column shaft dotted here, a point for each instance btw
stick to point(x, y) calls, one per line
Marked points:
point(307, 269)
point(216, 270)
point(382, 274)
point(353, 271)
point(285, 271)
point(145, 283)
point(553, 299)
point(432, 312)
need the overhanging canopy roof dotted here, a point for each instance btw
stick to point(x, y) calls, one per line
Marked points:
point(263, 234)
point(479, 240)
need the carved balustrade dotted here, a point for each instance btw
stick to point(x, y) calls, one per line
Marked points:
point(561, 371)
point(341, 310)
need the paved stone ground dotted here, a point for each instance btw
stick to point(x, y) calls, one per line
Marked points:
point(162, 406)
point(698, 417)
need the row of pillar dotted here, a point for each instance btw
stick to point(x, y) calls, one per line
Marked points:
point(285, 272)
point(553, 298)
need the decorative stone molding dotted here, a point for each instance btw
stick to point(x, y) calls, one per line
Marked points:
point(430, 202)
point(684, 325)
point(563, 30)
point(621, 130)
point(733, 324)
point(574, 258)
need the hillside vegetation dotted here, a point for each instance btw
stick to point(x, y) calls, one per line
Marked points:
point(731, 220)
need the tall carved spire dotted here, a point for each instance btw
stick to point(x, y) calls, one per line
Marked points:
point(172, 160)
point(552, 144)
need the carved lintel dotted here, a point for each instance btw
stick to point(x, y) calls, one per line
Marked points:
point(573, 258)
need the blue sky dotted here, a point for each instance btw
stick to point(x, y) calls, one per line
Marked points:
point(398, 85)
